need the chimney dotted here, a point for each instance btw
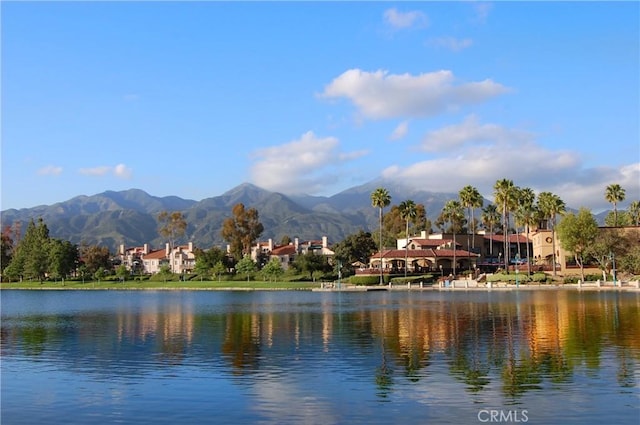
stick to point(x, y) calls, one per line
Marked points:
point(145, 249)
point(121, 249)
point(166, 249)
point(423, 234)
point(228, 249)
point(295, 243)
point(270, 244)
point(190, 246)
point(324, 242)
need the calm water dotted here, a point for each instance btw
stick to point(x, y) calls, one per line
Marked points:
point(546, 357)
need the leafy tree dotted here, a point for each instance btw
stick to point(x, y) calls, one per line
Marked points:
point(356, 247)
point(242, 230)
point(172, 226)
point(622, 218)
point(453, 213)
point(608, 244)
point(380, 198)
point(202, 268)
point(471, 198)
point(614, 193)
point(122, 273)
point(31, 257)
point(550, 206)
point(63, 258)
point(286, 240)
point(6, 247)
point(83, 272)
point(634, 213)
point(246, 265)
point(505, 195)
point(577, 232)
point(408, 211)
point(490, 219)
point(218, 268)
point(165, 271)
point(311, 262)
point(95, 257)
point(630, 262)
point(99, 274)
point(273, 269)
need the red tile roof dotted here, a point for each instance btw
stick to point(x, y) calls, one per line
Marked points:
point(284, 250)
point(155, 255)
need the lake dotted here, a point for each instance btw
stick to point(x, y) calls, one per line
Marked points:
point(292, 357)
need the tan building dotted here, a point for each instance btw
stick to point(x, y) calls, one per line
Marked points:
point(181, 259)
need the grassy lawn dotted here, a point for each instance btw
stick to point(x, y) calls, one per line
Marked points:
point(133, 285)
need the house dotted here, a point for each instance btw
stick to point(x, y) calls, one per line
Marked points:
point(132, 257)
point(181, 259)
point(286, 254)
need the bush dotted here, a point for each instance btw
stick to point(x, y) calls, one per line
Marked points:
point(539, 277)
point(368, 280)
point(508, 277)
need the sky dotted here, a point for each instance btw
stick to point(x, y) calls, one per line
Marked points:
point(193, 99)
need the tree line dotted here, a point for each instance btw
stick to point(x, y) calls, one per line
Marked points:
point(515, 209)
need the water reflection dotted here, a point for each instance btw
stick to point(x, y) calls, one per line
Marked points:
point(273, 344)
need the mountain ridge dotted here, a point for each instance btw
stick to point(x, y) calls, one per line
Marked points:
point(129, 216)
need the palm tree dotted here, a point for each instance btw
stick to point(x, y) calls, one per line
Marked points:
point(634, 212)
point(454, 214)
point(526, 197)
point(408, 211)
point(505, 195)
point(490, 218)
point(550, 205)
point(380, 198)
point(614, 194)
point(527, 215)
point(470, 198)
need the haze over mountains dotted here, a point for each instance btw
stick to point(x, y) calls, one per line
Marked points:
point(130, 217)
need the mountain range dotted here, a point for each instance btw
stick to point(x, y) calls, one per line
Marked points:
point(129, 217)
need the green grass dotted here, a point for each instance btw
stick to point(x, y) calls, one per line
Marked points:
point(135, 285)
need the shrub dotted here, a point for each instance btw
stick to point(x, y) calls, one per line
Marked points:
point(539, 277)
point(368, 280)
point(427, 278)
point(508, 277)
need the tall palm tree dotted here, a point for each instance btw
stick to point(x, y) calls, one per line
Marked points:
point(380, 198)
point(505, 193)
point(408, 211)
point(453, 213)
point(550, 206)
point(527, 216)
point(614, 194)
point(490, 218)
point(634, 212)
point(470, 198)
point(526, 197)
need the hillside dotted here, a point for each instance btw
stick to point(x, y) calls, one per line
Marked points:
point(129, 217)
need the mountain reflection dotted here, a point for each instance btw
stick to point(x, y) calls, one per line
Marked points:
point(522, 341)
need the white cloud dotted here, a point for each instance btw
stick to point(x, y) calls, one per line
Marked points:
point(403, 20)
point(450, 43)
point(480, 154)
point(380, 95)
point(471, 132)
point(300, 166)
point(120, 171)
point(400, 131)
point(50, 170)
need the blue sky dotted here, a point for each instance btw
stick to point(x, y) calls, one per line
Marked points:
point(192, 99)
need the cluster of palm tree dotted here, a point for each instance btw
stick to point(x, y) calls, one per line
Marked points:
point(513, 206)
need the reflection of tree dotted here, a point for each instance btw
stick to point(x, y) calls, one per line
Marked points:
point(240, 345)
point(384, 374)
